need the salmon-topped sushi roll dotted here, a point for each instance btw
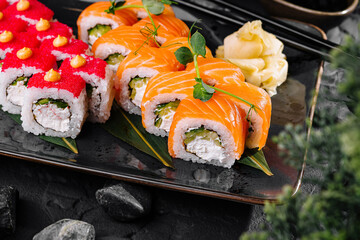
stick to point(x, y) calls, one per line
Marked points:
point(17, 68)
point(44, 29)
point(135, 71)
point(260, 117)
point(211, 132)
point(174, 44)
point(141, 13)
point(170, 27)
point(99, 84)
point(54, 104)
point(216, 70)
point(94, 22)
point(116, 44)
point(13, 41)
point(30, 11)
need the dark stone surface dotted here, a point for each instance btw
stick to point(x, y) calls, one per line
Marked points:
point(124, 201)
point(67, 229)
point(8, 199)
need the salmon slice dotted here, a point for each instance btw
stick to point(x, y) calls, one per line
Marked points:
point(220, 115)
point(175, 43)
point(145, 63)
point(214, 70)
point(95, 14)
point(141, 13)
point(259, 119)
point(169, 27)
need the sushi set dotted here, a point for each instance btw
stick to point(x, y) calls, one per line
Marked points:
point(65, 87)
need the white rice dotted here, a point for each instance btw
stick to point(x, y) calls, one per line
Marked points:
point(227, 141)
point(105, 50)
point(6, 78)
point(90, 22)
point(123, 86)
point(78, 110)
point(149, 116)
point(102, 97)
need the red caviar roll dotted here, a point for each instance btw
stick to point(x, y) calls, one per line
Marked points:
point(62, 48)
point(16, 70)
point(12, 24)
point(30, 11)
point(170, 27)
point(116, 44)
point(211, 132)
point(13, 41)
point(54, 104)
point(3, 4)
point(94, 22)
point(215, 70)
point(136, 70)
point(141, 13)
point(99, 84)
point(44, 29)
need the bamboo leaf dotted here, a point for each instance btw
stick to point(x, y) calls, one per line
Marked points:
point(256, 159)
point(68, 143)
point(128, 128)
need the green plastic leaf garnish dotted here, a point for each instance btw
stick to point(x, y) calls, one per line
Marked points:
point(198, 44)
point(184, 55)
point(154, 6)
point(256, 159)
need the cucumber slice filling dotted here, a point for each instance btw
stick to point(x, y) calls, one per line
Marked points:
point(164, 114)
point(97, 31)
point(114, 58)
point(137, 87)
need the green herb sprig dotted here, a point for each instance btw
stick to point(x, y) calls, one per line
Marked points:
point(155, 7)
point(185, 55)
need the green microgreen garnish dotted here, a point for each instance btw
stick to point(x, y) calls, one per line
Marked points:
point(155, 7)
point(185, 55)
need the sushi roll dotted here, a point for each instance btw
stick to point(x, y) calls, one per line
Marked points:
point(135, 71)
point(211, 132)
point(3, 4)
point(62, 48)
point(12, 24)
point(99, 84)
point(44, 29)
point(174, 44)
point(54, 104)
point(94, 22)
point(215, 70)
point(141, 13)
point(16, 70)
point(30, 11)
point(12, 42)
point(170, 27)
point(116, 44)
point(260, 119)
point(162, 97)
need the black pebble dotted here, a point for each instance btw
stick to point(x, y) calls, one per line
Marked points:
point(8, 198)
point(124, 201)
point(67, 229)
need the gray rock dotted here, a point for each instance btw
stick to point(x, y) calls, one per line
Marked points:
point(124, 202)
point(8, 199)
point(67, 229)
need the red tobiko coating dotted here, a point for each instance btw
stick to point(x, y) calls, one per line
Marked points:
point(93, 65)
point(3, 4)
point(33, 14)
point(20, 40)
point(74, 47)
point(39, 60)
point(72, 83)
point(56, 28)
point(12, 24)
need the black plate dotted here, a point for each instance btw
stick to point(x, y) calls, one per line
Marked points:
point(102, 154)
